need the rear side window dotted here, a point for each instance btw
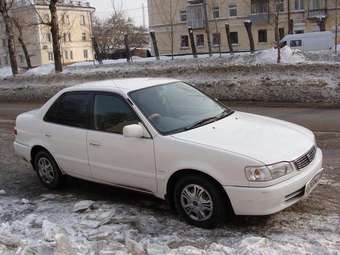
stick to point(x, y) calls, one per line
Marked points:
point(112, 114)
point(295, 43)
point(71, 109)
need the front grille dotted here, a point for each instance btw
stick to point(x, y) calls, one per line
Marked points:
point(306, 159)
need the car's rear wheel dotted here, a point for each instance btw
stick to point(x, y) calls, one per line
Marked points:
point(48, 170)
point(200, 201)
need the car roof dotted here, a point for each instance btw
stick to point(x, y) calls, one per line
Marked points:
point(123, 85)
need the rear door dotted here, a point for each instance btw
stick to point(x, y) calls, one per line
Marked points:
point(65, 132)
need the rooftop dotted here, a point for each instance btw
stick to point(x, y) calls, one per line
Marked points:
point(125, 85)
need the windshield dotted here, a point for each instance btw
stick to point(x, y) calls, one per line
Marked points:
point(177, 107)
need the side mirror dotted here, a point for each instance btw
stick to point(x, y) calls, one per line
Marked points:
point(133, 131)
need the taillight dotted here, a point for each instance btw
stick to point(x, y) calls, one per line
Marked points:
point(15, 131)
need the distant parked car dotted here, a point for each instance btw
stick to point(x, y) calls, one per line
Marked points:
point(310, 41)
point(166, 138)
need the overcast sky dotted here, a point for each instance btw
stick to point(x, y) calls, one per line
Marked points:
point(132, 8)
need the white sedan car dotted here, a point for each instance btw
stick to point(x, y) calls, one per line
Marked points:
point(166, 138)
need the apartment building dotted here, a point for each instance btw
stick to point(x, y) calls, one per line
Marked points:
point(75, 32)
point(171, 20)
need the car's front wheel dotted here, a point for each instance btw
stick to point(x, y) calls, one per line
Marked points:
point(48, 170)
point(200, 201)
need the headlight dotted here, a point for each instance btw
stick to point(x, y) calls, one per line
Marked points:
point(269, 172)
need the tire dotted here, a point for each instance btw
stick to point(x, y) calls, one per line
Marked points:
point(214, 209)
point(48, 171)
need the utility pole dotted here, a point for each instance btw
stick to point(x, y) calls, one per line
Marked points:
point(171, 31)
point(336, 26)
point(207, 25)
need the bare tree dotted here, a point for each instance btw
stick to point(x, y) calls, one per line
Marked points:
point(5, 6)
point(55, 36)
point(276, 11)
point(19, 26)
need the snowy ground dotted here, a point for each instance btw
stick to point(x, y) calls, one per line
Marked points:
point(269, 56)
point(87, 218)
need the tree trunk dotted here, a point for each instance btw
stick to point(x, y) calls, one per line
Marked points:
point(276, 28)
point(207, 30)
point(192, 42)
point(22, 43)
point(11, 42)
point(55, 36)
point(154, 43)
point(247, 25)
point(290, 21)
point(127, 48)
point(97, 51)
point(227, 30)
point(322, 24)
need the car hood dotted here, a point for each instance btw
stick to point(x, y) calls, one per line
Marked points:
point(261, 138)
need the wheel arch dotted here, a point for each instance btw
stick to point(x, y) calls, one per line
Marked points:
point(170, 185)
point(35, 149)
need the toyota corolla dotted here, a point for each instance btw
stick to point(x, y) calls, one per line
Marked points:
point(167, 138)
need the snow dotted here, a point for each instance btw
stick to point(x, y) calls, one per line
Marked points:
point(5, 72)
point(40, 70)
point(268, 56)
point(2, 192)
point(48, 225)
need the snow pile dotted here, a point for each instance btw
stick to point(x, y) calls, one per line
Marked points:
point(5, 72)
point(288, 56)
point(49, 225)
point(40, 70)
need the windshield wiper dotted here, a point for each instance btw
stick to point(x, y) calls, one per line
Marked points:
point(222, 115)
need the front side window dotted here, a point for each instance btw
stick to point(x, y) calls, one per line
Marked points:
point(111, 114)
point(71, 109)
point(177, 107)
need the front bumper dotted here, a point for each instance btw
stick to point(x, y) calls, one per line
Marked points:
point(272, 199)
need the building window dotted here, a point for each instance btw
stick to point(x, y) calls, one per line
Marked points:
point(216, 39)
point(21, 57)
point(83, 36)
point(65, 37)
point(281, 32)
point(234, 37)
point(216, 12)
point(299, 31)
point(317, 4)
point(50, 56)
point(259, 6)
point(49, 37)
point(262, 35)
point(82, 20)
point(232, 10)
point(69, 36)
point(71, 55)
point(86, 54)
point(200, 40)
point(280, 6)
point(184, 41)
point(66, 54)
point(299, 5)
point(183, 15)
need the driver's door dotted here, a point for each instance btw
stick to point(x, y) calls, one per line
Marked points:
point(116, 159)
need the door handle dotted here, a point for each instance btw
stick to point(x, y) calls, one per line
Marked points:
point(95, 144)
point(48, 135)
